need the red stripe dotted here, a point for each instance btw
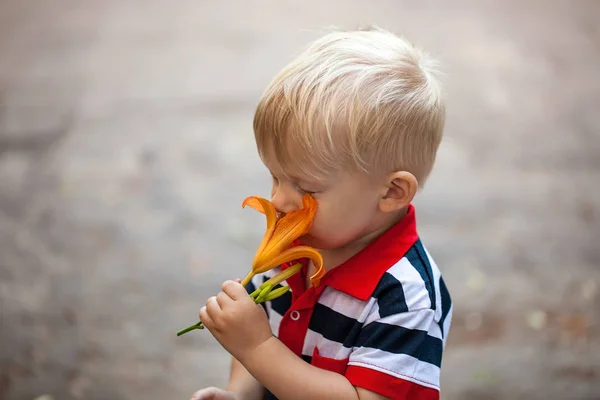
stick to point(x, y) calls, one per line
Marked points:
point(389, 386)
point(330, 364)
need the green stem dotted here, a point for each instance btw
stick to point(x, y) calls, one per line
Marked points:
point(197, 325)
point(275, 294)
point(256, 295)
point(277, 279)
point(247, 279)
point(282, 276)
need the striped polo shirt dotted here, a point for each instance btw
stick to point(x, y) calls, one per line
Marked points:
point(381, 318)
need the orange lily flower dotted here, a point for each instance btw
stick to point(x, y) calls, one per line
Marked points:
point(276, 249)
point(276, 245)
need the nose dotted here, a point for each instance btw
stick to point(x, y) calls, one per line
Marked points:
point(283, 200)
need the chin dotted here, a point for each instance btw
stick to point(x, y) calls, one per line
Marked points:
point(311, 241)
point(317, 243)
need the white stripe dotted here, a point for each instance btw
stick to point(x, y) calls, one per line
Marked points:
point(327, 348)
point(435, 331)
point(415, 291)
point(345, 304)
point(400, 366)
point(438, 294)
point(257, 280)
point(436, 283)
point(420, 319)
point(274, 319)
point(272, 272)
point(447, 323)
point(373, 315)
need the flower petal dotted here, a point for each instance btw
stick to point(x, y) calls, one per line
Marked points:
point(289, 228)
point(316, 278)
point(295, 253)
point(264, 206)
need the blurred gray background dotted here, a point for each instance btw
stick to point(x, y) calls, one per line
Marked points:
point(126, 149)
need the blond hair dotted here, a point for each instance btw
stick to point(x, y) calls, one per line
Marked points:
point(366, 100)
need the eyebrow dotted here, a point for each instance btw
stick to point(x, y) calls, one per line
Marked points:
point(291, 177)
point(298, 179)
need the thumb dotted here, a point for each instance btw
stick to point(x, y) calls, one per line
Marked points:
point(205, 394)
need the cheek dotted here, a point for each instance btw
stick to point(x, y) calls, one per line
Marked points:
point(334, 227)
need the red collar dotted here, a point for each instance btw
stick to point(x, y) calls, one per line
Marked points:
point(359, 275)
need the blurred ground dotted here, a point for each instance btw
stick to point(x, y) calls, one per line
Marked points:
point(126, 149)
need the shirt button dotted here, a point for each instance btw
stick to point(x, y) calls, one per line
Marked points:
point(295, 315)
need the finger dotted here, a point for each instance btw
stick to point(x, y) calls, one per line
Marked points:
point(206, 319)
point(235, 290)
point(205, 394)
point(224, 300)
point(212, 307)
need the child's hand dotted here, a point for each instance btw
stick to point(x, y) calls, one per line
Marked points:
point(213, 393)
point(239, 324)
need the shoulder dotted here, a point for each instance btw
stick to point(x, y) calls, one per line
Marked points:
point(414, 283)
point(401, 342)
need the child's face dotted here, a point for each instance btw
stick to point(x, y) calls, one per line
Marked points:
point(347, 205)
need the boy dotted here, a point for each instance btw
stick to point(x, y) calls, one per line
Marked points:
point(355, 121)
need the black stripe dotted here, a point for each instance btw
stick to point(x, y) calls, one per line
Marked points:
point(390, 296)
point(446, 303)
point(269, 395)
point(334, 326)
point(250, 287)
point(418, 259)
point(281, 304)
point(398, 340)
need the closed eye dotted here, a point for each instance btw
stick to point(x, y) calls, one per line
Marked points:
point(306, 191)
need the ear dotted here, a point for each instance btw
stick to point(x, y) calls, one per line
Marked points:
point(401, 187)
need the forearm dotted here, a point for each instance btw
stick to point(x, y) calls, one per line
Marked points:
point(242, 383)
point(288, 377)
